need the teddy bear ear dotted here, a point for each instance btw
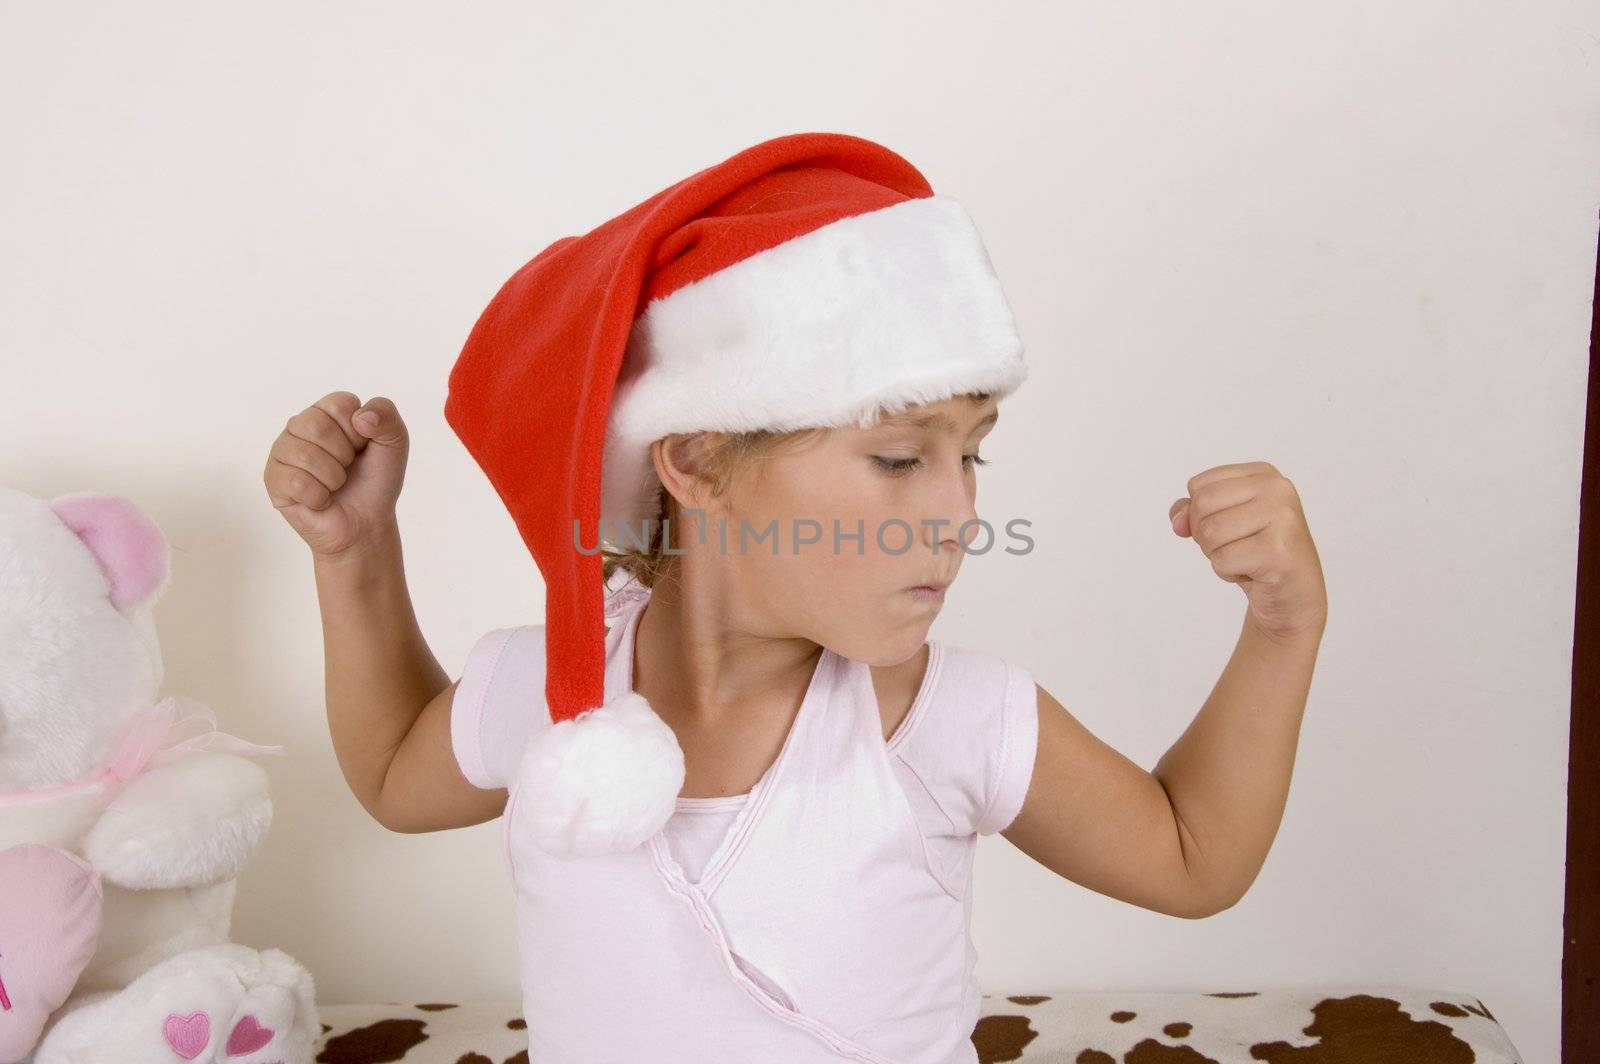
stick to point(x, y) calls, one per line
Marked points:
point(129, 546)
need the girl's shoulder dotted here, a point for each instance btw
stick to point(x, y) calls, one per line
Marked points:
point(965, 747)
point(499, 700)
point(970, 738)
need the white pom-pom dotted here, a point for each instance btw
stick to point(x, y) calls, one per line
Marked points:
point(602, 782)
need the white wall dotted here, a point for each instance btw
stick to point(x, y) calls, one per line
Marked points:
point(1357, 242)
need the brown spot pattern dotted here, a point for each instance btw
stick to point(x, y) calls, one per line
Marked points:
point(1374, 1028)
point(1150, 1051)
point(1449, 1008)
point(1364, 1029)
point(1001, 1038)
point(376, 1043)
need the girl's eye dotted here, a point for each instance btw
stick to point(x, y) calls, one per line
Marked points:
point(897, 467)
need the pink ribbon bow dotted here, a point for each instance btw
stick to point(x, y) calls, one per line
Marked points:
point(153, 738)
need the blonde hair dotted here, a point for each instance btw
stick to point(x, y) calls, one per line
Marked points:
point(720, 456)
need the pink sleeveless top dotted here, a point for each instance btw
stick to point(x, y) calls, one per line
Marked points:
point(823, 916)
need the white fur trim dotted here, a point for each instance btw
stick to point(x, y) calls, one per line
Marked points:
point(602, 782)
point(891, 308)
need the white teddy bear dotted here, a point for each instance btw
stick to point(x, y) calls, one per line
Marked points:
point(124, 817)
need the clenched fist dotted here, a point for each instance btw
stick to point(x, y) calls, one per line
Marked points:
point(1247, 519)
point(335, 471)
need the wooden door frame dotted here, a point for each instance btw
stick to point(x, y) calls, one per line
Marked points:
point(1580, 951)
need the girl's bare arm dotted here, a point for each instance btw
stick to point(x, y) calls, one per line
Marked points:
point(1188, 837)
point(388, 698)
point(334, 473)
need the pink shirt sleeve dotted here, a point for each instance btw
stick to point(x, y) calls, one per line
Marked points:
point(970, 742)
point(498, 703)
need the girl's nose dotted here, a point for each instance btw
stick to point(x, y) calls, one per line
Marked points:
point(955, 514)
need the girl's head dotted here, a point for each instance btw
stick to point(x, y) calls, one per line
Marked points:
point(822, 532)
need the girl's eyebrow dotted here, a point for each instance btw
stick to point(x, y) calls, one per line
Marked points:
point(936, 420)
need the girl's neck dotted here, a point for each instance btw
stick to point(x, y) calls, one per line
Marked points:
point(698, 660)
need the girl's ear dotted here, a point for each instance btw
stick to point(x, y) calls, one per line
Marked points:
point(681, 466)
point(128, 545)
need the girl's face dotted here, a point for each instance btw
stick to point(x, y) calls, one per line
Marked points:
point(838, 531)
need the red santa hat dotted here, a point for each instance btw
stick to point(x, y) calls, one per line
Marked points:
point(812, 280)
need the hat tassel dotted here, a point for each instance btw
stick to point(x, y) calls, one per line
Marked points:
point(601, 782)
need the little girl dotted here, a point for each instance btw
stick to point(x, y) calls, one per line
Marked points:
point(741, 821)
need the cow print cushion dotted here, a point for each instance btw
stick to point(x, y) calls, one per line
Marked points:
point(1366, 1025)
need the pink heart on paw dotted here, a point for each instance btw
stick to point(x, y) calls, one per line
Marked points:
point(248, 1036)
point(187, 1035)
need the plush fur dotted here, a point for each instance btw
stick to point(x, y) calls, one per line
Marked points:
point(163, 839)
point(75, 666)
point(875, 311)
point(602, 782)
point(233, 996)
point(194, 821)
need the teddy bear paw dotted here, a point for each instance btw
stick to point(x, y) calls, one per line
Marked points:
point(223, 1004)
point(261, 1024)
